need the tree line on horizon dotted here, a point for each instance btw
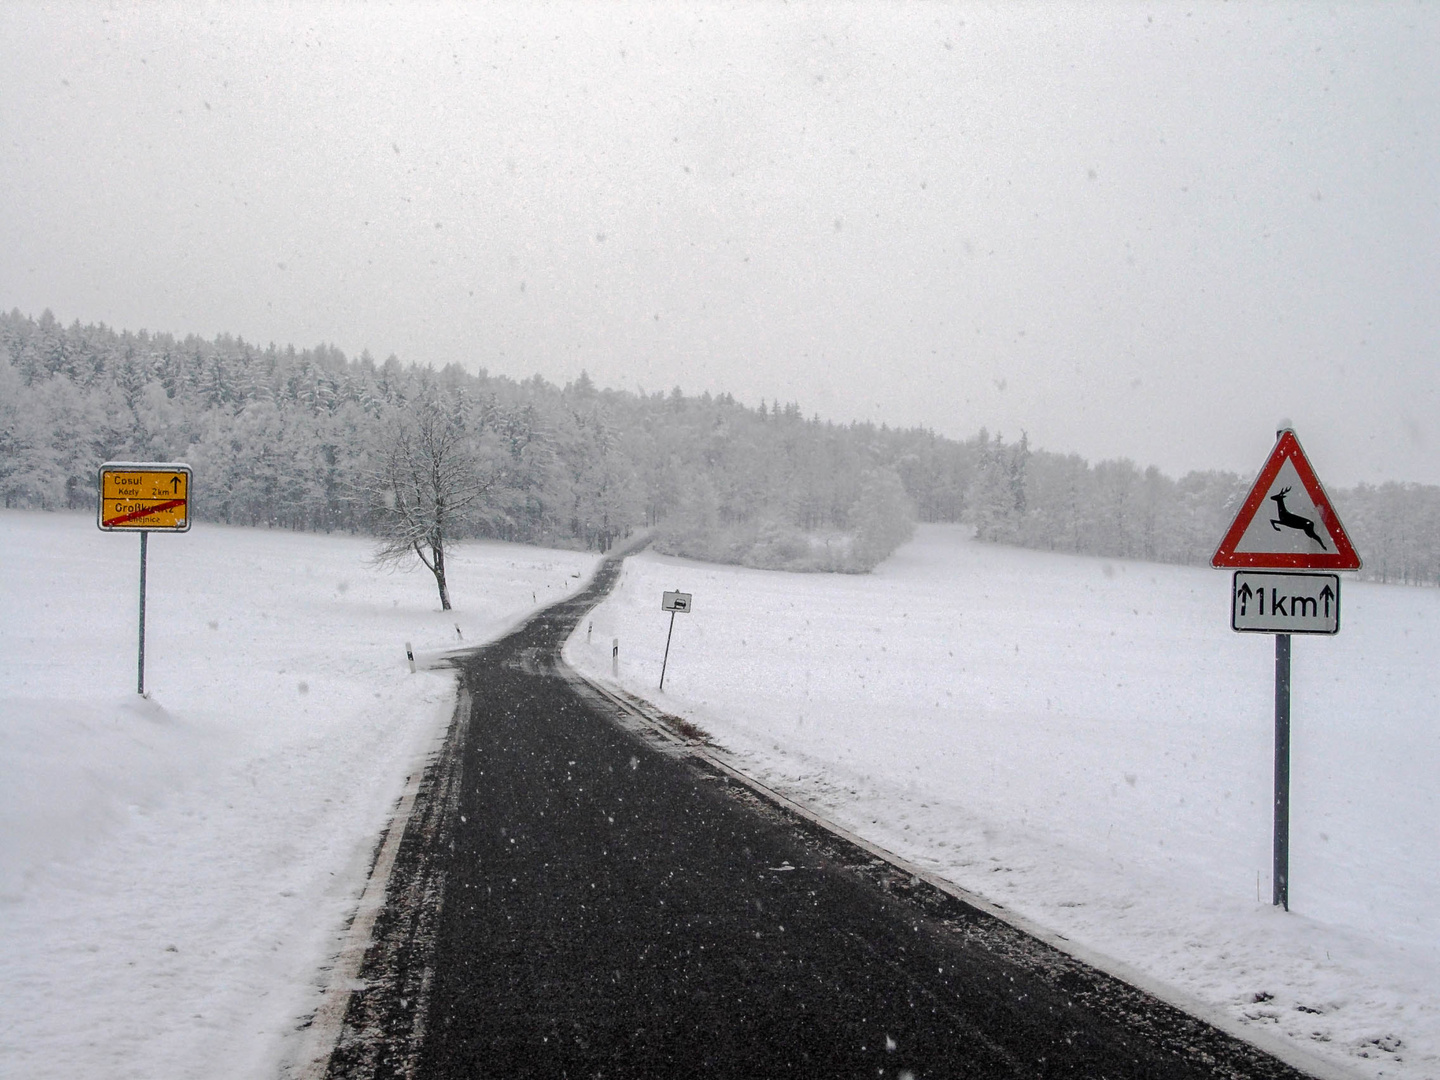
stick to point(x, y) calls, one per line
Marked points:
point(313, 440)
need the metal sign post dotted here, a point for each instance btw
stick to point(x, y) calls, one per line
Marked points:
point(665, 662)
point(1304, 535)
point(143, 497)
point(144, 536)
point(672, 602)
point(1282, 603)
point(1280, 849)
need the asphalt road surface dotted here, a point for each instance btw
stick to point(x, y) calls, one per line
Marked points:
point(576, 898)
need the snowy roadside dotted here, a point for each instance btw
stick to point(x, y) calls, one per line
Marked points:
point(175, 872)
point(1087, 743)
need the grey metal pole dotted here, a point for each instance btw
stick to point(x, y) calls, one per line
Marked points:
point(1280, 874)
point(144, 536)
point(667, 651)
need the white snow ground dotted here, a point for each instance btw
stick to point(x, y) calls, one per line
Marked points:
point(1086, 742)
point(1083, 741)
point(175, 872)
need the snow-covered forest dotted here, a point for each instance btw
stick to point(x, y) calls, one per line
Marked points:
point(300, 439)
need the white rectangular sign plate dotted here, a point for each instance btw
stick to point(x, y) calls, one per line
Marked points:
point(1269, 602)
point(675, 601)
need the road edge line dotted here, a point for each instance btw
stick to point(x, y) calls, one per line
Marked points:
point(322, 1033)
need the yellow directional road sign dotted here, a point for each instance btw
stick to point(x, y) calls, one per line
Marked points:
point(153, 496)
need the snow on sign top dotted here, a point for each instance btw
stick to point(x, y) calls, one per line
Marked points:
point(1287, 522)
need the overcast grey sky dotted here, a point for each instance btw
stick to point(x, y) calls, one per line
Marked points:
point(1147, 230)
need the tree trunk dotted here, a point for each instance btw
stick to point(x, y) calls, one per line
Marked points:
point(438, 550)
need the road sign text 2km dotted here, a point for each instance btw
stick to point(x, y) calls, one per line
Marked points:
point(150, 496)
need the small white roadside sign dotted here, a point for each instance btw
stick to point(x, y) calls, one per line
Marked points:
point(672, 601)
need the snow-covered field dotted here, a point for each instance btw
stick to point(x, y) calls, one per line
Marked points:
point(1082, 741)
point(174, 872)
point(1087, 743)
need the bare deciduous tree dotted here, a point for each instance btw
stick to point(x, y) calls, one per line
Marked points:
point(431, 475)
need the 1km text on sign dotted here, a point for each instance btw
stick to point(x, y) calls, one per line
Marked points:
point(1269, 602)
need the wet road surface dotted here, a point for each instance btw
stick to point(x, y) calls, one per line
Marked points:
point(574, 898)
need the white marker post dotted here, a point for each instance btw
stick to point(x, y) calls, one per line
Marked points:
point(615, 658)
point(672, 602)
point(1268, 545)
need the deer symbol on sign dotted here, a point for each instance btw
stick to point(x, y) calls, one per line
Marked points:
point(1291, 520)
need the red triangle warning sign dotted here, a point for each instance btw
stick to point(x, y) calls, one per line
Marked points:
point(1287, 522)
